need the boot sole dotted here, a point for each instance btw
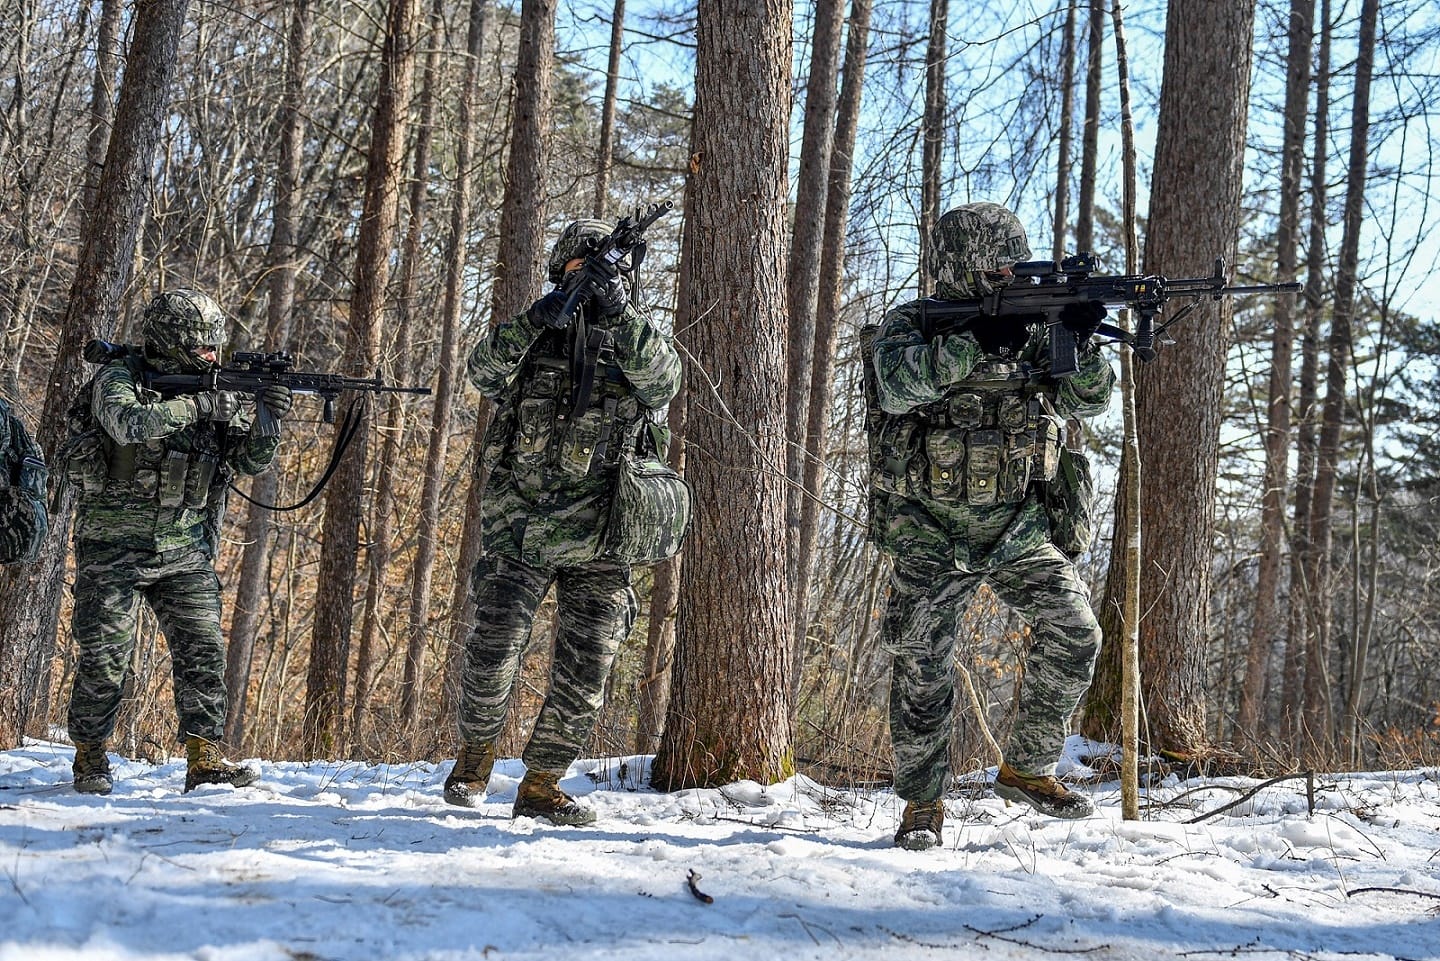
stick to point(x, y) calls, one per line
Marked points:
point(1074, 810)
point(94, 787)
point(917, 841)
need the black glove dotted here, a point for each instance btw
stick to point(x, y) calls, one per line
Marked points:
point(607, 291)
point(277, 398)
point(1083, 319)
point(217, 405)
point(997, 334)
point(546, 312)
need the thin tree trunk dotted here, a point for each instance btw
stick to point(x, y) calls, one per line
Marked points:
point(802, 288)
point(325, 686)
point(1317, 702)
point(517, 266)
point(30, 594)
point(283, 260)
point(444, 404)
point(1250, 722)
point(605, 156)
point(1067, 110)
point(730, 708)
point(932, 127)
point(1129, 632)
point(1090, 135)
point(1302, 554)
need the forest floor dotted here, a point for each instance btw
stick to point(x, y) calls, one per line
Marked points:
point(339, 861)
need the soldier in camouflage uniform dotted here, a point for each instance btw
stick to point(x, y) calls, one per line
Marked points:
point(971, 432)
point(553, 457)
point(24, 521)
point(151, 476)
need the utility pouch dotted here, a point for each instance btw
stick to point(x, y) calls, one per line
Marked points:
point(1015, 474)
point(146, 483)
point(967, 411)
point(83, 459)
point(535, 424)
point(899, 438)
point(172, 478)
point(945, 450)
point(1049, 442)
point(983, 454)
point(1069, 504)
point(198, 476)
point(649, 513)
point(1011, 414)
point(498, 434)
point(577, 450)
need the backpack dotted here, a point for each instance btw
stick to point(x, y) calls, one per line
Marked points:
point(24, 521)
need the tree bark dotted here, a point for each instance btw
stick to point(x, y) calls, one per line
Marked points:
point(802, 290)
point(605, 156)
point(30, 594)
point(730, 709)
point(1090, 134)
point(325, 684)
point(1318, 717)
point(443, 408)
point(933, 133)
point(283, 259)
point(1250, 721)
point(1067, 110)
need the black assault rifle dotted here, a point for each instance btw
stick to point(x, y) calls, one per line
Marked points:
point(251, 372)
point(1044, 288)
point(601, 263)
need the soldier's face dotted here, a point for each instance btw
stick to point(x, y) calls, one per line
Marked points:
point(206, 353)
point(574, 264)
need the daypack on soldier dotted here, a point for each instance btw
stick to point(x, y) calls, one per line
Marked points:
point(24, 521)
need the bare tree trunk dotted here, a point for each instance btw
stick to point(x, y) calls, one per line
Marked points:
point(335, 591)
point(1302, 554)
point(1250, 723)
point(933, 133)
point(379, 552)
point(284, 259)
point(517, 264)
point(102, 94)
point(1090, 136)
point(606, 154)
point(730, 708)
point(802, 289)
point(1194, 216)
point(30, 594)
point(1067, 111)
point(1129, 607)
point(440, 416)
point(1317, 702)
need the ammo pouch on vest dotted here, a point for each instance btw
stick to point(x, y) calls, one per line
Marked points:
point(649, 512)
point(986, 450)
point(1069, 503)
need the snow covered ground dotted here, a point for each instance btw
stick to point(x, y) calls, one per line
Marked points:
point(338, 861)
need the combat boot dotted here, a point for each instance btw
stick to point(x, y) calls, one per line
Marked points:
point(920, 825)
point(1043, 792)
point(92, 768)
point(466, 782)
point(206, 765)
point(540, 797)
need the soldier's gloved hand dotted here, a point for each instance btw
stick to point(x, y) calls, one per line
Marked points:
point(1083, 319)
point(997, 334)
point(219, 405)
point(277, 399)
point(608, 292)
point(546, 312)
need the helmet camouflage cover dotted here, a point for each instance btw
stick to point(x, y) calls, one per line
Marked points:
point(177, 321)
point(577, 240)
point(971, 239)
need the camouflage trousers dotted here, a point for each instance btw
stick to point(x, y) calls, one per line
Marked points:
point(181, 588)
point(919, 626)
point(595, 609)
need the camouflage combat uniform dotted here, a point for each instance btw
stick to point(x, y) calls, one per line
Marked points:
point(152, 488)
point(956, 502)
point(24, 521)
point(544, 514)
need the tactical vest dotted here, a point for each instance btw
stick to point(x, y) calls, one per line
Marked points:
point(180, 470)
point(544, 437)
point(983, 443)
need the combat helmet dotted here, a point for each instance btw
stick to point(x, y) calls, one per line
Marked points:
point(176, 322)
point(576, 240)
point(970, 240)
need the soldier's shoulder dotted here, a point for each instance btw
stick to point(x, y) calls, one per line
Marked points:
point(906, 314)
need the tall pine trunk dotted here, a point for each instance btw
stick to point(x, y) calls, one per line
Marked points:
point(605, 154)
point(730, 708)
point(932, 132)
